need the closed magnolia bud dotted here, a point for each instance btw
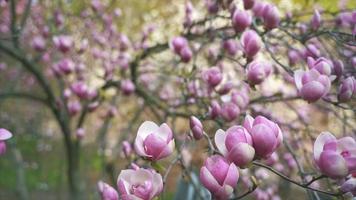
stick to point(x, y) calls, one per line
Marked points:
point(258, 71)
point(338, 67)
point(80, 133)
point(177, 44)
point(241, 20)
point(126, 148)
point(38, 43)
point(312, 51)
point(293, 57)
point(347, 89)
point(124, 42)
point(226, 88)
point(127, 87)
point(258, 8)
point(311, 85)
point(80, 89)
point(251, 43)
point(315, 22)
point(248, 4)
point(154, 142)
point(230, 111)
point(230, 46)
point(335, 157)
point(186, 54)
point(212, 76)
point(266, 135)
point(74, 107)
point(219, 177)
point(240, 98)
point(270, 17)
point(214, 109)
point(196, 127)
point(236, 145)
point(107, 192)
point(66, 66)
point(63, 43)
point(212, 6)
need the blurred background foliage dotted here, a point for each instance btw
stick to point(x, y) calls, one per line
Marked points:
point(37, 147)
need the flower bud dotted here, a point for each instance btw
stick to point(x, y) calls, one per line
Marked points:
point(241, 20)
point(212, 6)
point(347, 89)
point(66, 66)
point(126, 148)
point(127, 87)
point(270, 17)
point(293, 57)
point(214, 109)
point(154, 142)
point(226, 88)
point(316, 20)
point(74, 107)
point(196, 127)
point(251, 43)
point(212, 76)
point(266, 135)
point(80, 89)
point(178, 43)
point(230, 111)
point(230, 46)
point(186, 54)
point(349, 186)
point(338, 67)
point(258, 8)
point(311, 85)
point(80, 133)
point(107, 192)
point(38, 43)
point(2, 147)
point(258, 71)
point(63, 43)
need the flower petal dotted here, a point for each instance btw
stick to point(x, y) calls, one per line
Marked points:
point(5, 134)
point(319, 144)
point(219, 139)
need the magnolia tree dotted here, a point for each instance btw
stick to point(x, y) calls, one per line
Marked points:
point(245, 86)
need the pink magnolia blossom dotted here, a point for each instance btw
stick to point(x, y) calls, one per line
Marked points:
point(212, 76)
point(311, 84)
point(241, 20)
point(248, 4)
point(336, 158)
point(251, 43)
point(349, 186)
point(322, 65)
point(4, 135)
point(347, 89)
point(196, 127)
point(266, 135)
point(219, 177)
point(154, 142)
point(270, 16)
point(258, 71)
point(139, 184)
point(63, 43)
point(315, 21)
point(107, 192)
point(236, 145)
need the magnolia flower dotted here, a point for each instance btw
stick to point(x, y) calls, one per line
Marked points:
point(347, 89)
point(251, 43)
point(219, 177)
point(38, 43)
point(266, 135)
point(258, 71)
point(196, 127)
point(322, 65)
point(212, 76)
point(63, 42)
point(315, 22)
point(139, 184)
point(186, 54)
point(214, 109)
point(236, 145)
point(80, 89)
point(107, 192)
point(229, 111)
point(248, 4)
point(230, 46)
point(127, 87)
point(311, 84)
point(154, 142)
point(4, 135)
point(336, 158)
point(177, 44)
point(270, 16)
point(241, 20)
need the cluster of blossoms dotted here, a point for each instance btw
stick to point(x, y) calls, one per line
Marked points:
point(215, 92)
